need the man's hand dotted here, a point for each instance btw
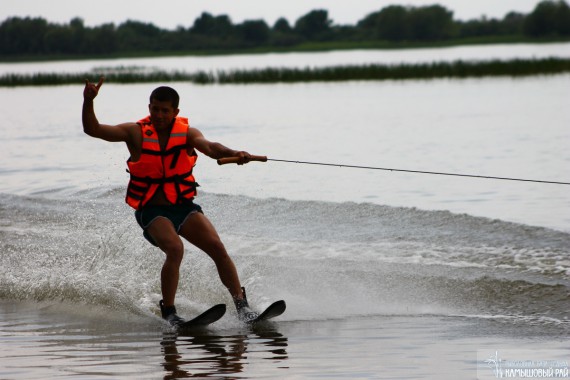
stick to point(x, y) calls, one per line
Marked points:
point(91, 90)
point(243, 157)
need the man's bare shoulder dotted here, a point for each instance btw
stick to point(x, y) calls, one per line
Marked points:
point(193, 134)
point(194, 130)
point(133, 130)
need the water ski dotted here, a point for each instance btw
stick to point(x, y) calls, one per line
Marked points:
point(274, 310)
point(209, 316)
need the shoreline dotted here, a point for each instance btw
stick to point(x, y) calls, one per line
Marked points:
point(302, 48)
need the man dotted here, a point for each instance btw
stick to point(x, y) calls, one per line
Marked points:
point(162, 188)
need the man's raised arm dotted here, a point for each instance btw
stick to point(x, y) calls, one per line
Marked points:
point(91, 125)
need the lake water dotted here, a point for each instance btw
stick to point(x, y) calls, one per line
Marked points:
point(386, 274)
point(306, 59)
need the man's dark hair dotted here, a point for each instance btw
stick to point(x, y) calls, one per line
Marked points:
point(166, 94)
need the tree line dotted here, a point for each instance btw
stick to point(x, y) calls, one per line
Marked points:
point(29, 37)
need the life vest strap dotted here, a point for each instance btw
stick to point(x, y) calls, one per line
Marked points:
point(174, 159)
point(178, 178)
point(174, 150)
point(135, 196)
point(137, 188)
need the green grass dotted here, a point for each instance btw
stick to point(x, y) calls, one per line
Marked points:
point(456, 69)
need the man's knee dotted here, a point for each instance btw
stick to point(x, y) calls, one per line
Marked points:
point(173, 248)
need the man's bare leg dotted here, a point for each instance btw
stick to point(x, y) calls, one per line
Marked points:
point(164, 234)
point(199, 231)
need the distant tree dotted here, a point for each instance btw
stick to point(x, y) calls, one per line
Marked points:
point(214, 32)
point(204, 24)
point(399, 23)
point(77, 28)
point(213, 26)
point(549, 18)
point(282, 26)
point(282, 34)
point(390, 23)
point(254, 32)
point(431, 23)
point(179, 39)
point(77, 24)
point(346, 33)
point(102, 39)
point(513, 23)
point(314, 25)
point(59, 40)
point(22, 35)
point(479, 27)
point(138, 36)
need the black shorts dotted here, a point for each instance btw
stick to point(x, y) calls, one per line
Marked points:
point(177, 214)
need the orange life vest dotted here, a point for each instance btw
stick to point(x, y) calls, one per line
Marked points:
point(170, 169)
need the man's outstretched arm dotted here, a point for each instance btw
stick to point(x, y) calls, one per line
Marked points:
point(214, 149)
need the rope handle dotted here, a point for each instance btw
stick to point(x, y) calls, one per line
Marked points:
point(235, 160)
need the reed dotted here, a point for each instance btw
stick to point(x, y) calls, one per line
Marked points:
point(456, 69)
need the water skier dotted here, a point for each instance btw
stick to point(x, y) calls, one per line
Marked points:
point(162, 149)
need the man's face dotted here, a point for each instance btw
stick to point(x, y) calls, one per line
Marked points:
point(162, 114)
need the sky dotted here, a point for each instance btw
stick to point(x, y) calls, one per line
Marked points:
point(169, 14)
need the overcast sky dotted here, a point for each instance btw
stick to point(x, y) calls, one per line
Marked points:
point(169, 14)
